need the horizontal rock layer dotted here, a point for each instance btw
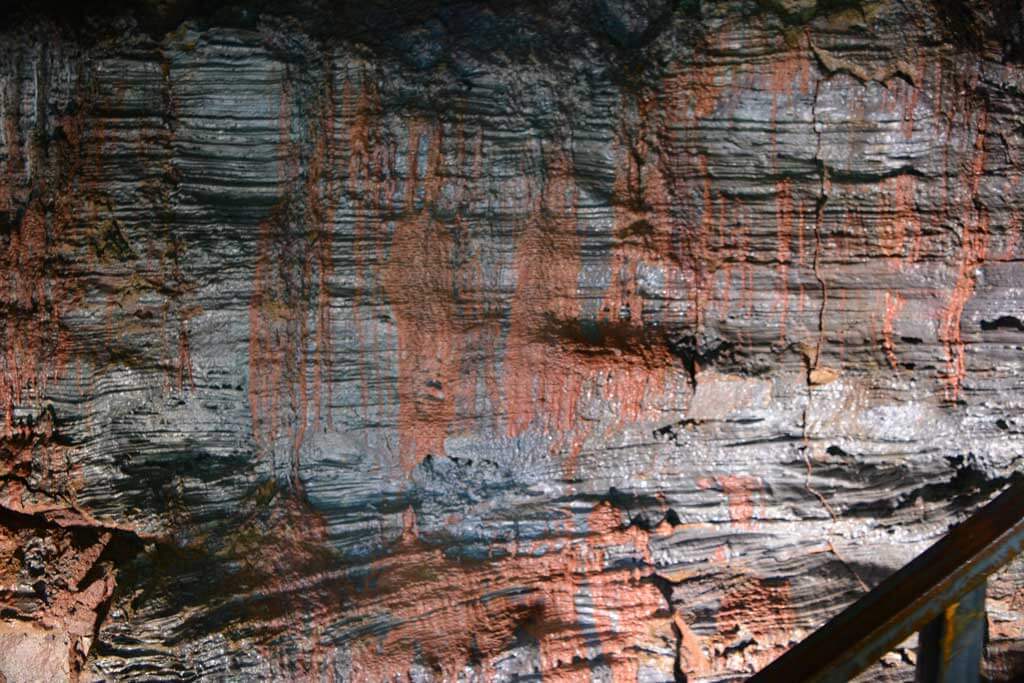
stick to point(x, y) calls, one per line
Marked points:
point(589, 341)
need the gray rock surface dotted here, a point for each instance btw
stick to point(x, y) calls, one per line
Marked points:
point(576, 341)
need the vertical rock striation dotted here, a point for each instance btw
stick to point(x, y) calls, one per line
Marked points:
point(592, 340)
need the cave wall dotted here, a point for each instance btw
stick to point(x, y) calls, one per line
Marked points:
point(575, 341)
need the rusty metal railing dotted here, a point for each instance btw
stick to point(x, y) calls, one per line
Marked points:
point(940, 594)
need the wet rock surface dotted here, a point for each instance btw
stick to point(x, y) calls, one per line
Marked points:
point(461, 341)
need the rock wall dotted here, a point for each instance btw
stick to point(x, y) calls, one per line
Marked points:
point(586, 340)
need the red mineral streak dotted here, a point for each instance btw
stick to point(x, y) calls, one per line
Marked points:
point(744, 241)
point(739, 491)
point(184, 358)
point(542, 379)
point(643, 233)
point(448, 614)
point(756, 608)
point(1013, 231)
point(901, 98)
point(789, 74)
point(321, 192)
point(900, 220)
point(426, 270)
point(703, 263)
point(692, 659)
point(427, 280)
point(418, 281)
point(35, 292)
point(12, 143)
point(909, 110)
point(364, 161)
point(276, 355)
point(785, 213)
point(693, 90)
point(479, 308)
point(973, 251)
point(294, 241)
point(683, 175)
point(554, 362)
point(893, 304)
point(687, 99)
point(1012, 235)
point(975, 244)
point(727, 239)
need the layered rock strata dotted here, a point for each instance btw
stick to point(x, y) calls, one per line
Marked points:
point(586, 341)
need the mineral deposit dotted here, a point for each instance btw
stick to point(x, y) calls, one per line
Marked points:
point(579, 340)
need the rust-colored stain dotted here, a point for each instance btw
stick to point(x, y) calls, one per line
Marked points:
point(788, 213)
point(37, 293)
point(893, 304)
point(739, 491)
point(70, 588)
point(542, 379)
point(419, 282)
point(973, 252)
point(450, 613)
point(899, 234)
point(289, 312)
point(755, 624)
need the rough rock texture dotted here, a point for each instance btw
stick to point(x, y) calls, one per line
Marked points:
point(587, 340)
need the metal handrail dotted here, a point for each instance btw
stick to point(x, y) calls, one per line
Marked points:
point(941, 594)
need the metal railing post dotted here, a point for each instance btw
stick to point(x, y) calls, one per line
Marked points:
point(949, 647)
point(918, 597)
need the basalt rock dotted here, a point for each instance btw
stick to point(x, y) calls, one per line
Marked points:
point(437, 341)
